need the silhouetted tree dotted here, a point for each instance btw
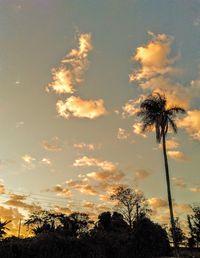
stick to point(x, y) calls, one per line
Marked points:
point(131, 204)
point(194, 226)
point(3, 228)
point(179, 234)
point(155, 113)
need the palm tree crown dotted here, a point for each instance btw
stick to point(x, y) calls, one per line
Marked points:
point(154, 112)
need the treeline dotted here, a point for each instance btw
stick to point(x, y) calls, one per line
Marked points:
point(128, 233)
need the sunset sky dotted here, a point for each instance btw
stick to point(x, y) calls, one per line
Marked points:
point(72, 77)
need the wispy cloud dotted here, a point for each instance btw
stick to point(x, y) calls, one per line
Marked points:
point(90, 161)
point(179, 182)
point(191, 123)
point(122, 134)
point(73, 65)
point(177, 155)
point(53, 145)
point(77, 107)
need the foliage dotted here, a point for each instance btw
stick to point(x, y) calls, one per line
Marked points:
point(131, 204)
point(194, 226)
point(3, 228)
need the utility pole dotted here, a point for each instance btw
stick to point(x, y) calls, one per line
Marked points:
point(19, 229)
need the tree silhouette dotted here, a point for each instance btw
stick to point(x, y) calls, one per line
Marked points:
point(154, 113)
point(3, 228)
point(131, 204)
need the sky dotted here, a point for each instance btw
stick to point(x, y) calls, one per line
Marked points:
point(72, 77)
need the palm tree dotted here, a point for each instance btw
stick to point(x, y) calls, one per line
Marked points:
point(3, 228)
point(154, 113)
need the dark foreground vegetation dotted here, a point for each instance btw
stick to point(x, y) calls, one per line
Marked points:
point(76, 236)
point(128, 233)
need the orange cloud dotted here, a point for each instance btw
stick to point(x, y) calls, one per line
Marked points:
point(53, 145)
point(60, 191)
point(157, 203)
point(177, 155)
point(132, 106)
point(19, 201)
point(112, 175)
point(77, 107)
point(28, 158)
point(2, 188)
point(83, 145)
point(89, 161)
point(179, 181)
point(141, 174)
point(191, 123)
point(195, 189)
point(154, 58)
point(122, 134)
point(171, 144)
point(137, 129)
point(72, 67)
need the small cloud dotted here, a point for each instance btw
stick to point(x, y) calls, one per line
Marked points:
point(60, 191)
point(157, 203)
point(19, 124)
point(137, 129)
point(177, 155)
point(90, 161)
point(171, 144)
point(46, 161)
point(28, 158)
point(82, 145)
point(2, 187)
point(195, 189)
point(77, 107)
point(53, 145)
point(140, 175)
point(179, 182)
point(191, 123)
point(132, 106)
point(72, 67)
point(122, 134)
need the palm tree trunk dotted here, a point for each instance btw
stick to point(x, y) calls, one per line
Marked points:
point(169, 194)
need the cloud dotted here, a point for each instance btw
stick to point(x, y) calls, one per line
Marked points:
point(2, 188)
point(157, 203)
point(53, 145)
point(82, 186)
point(110, 175)
point(179, 181)
point(73, 65)
point(195, 189)
point(28, 158)
point(137, 129)
point(191, 123)
point(90, 161)
point(19, 201)
point(46, 161)
point(83, 145)
point(77, 107)
point(61, 191)
point(171, 144)
point(154, 58)
point(177, 155)
point(122, 134)
point(132, 106)
point(141, 174)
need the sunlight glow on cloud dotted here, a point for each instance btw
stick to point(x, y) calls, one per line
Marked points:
point(179, 182)
point(73, 65)
point(89, 161)
point(191, 123)
point(77, 107)
point(28, 158)
point(122, 134)
point(137, 129)
point(177, 155)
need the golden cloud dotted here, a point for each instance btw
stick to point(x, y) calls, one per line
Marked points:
point(89, 161)
point(157, 203)
point(28, 158)
point(83, 145)
point(154, 58)
point(72, 67)
point(179, 181)
point(77, 107)
point(53, 145)
point(61, 191)
point(177, 155)
point(191, 123)
point(19, 201)
point(141, 174)
point(110, 175)
point(122, 134)
point(137, 129)
point(195, 189)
